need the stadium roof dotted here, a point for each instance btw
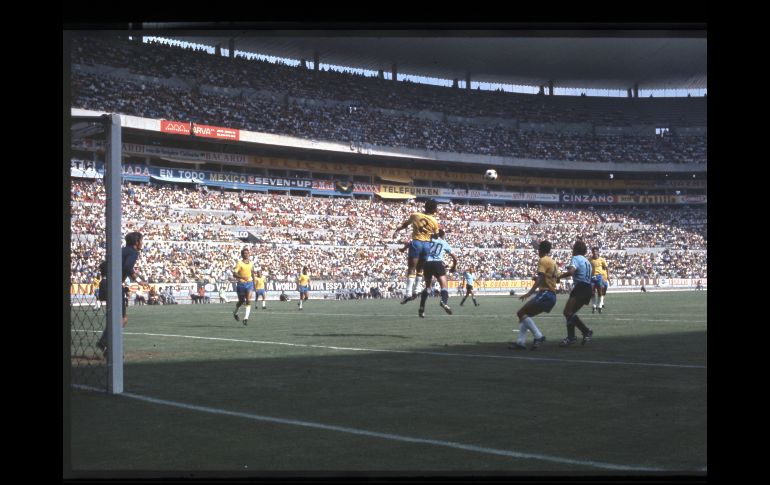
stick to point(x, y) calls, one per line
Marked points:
point(598, 59)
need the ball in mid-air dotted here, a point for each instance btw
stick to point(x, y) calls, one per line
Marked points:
point(490, 174)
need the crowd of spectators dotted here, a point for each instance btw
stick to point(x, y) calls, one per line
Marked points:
point(163, 61)
point(346, 108)
point(371, 127)
point(190, 235)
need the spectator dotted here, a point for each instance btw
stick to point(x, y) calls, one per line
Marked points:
point(202, 296)
point(153, 298)
point(140, 297)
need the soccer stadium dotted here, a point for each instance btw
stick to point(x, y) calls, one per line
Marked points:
point(385, 254)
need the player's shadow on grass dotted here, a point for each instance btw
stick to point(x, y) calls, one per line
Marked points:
point(348, 335)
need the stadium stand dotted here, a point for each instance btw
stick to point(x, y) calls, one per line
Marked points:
point(143, 80)
point(182, 244)
point(189, 232)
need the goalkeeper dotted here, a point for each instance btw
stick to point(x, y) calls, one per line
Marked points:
point(128, 256)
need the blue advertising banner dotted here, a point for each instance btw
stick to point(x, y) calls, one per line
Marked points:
point(142, 173)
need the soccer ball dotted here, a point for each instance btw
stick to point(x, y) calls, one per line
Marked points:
point(490, 174)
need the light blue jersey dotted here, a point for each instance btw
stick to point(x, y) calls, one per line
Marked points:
point(437, 249)
point(583, 269)
point(469, 278)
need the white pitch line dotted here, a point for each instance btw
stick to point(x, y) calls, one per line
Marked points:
point(392, 437)
point(418, 352)
point(658, 320)
point(487, 315)
point(611, 316)
point(461, 312)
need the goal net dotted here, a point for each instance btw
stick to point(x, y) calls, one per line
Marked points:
point(93, 323)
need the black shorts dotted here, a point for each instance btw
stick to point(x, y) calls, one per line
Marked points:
point(433, 269)
point(103, 294)
point(468, 287)
point(582, 293)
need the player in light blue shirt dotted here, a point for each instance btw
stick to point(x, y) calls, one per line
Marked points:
point(579, 270)
point(434, 266)
point(468, 279)
point(438, 247)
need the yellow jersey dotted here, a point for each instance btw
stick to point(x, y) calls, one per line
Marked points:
point(244, 271)
point(303, 280)
point(599, 266)
point(423, 226)
point(547, 266)
point(259, 282)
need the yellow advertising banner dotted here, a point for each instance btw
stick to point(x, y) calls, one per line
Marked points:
point(407, 175)
point(388, 195)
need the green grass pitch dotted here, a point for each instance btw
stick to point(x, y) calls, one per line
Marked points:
point(366, 387)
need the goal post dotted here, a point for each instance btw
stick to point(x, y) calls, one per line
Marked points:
point(95, 236)
point(112, 178)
